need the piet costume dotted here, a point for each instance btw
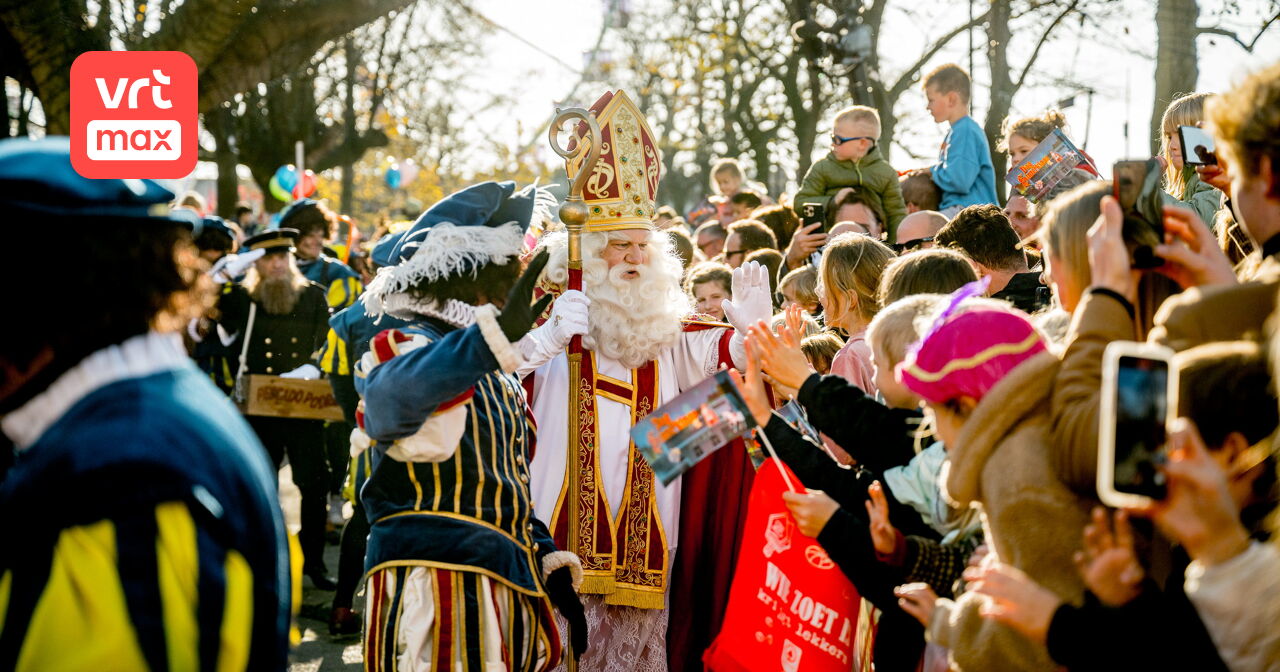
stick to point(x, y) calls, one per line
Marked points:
point(140, 515)
point(627, 525)
point(341, 284)
point(459, 567)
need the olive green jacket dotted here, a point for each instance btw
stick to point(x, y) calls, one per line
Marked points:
point(877, 180)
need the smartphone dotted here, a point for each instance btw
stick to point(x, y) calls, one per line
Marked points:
point(1138, 395)
point(813, 213)
point(1136, 186)
point(1197, 147)
point(1126, 183)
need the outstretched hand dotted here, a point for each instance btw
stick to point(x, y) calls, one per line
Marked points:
point(1108, 563)
point(883, 534)
point(752, 298)
point(517, 315)
point(917, 599)
point(1014, 599)
point(1190, 251)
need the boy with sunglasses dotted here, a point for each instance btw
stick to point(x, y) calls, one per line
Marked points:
point(855, 161)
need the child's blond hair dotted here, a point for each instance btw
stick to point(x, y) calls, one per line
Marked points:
point(851, 267)
point(820, 349)
point(859, 114)
point(896, 327)
point(804, 282)
point(1186, 110)
point(1034, 129)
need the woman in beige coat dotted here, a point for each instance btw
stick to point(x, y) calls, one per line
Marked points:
point(986, 377)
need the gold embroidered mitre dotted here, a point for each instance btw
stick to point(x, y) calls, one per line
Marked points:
point(623, 186)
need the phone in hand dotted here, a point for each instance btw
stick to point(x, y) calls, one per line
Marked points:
point(1136, 186)
point(813, 213)
point(1138, 395)
point(1197, 146)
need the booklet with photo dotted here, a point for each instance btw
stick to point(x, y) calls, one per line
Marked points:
point(683, 431)
point(1045, 166)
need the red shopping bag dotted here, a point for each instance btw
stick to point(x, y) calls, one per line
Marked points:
point(790, 607)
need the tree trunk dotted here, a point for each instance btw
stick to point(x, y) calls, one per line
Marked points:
point(1176, 69)
point(349, 122)
point(1002, 86)
point(219, 123)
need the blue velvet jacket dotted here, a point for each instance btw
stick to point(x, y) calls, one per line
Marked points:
point(469, 507)
point(144, 531)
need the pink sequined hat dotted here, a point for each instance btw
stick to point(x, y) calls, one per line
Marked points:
point(964, 354)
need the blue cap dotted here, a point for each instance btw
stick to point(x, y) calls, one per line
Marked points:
point(386, 245)
point(490, 204)
point(218, 225)
point(479, 225)
point(36, 177)
point(296, 207)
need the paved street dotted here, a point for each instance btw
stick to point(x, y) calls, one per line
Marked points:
point(318, 651)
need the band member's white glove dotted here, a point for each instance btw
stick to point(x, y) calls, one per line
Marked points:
point(568, 319)
point(751, 303)
point(231, 266)
point(304, 372)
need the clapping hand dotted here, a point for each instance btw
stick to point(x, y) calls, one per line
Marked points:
point(751, 385)
point(780, 355)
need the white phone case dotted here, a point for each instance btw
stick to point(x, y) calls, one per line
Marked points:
point(1107, 416)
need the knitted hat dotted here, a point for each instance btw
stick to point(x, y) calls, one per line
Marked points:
point(968, 349)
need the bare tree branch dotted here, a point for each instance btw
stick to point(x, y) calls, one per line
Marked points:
point(904, 81)
point(1235, 37)
point(1044, 38)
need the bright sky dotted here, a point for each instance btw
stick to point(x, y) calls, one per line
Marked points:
point(564, 30)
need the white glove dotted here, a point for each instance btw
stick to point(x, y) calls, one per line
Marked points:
point(751, 302)
point(568, 319)
point(230, 267)
point(304, 372)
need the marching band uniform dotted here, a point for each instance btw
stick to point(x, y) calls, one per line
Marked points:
point(459, 567)
point(141, 514)
point(278, 345)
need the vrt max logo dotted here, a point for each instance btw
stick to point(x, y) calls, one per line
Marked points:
point(134, 114)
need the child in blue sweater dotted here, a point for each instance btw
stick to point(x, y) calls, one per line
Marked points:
point(963, 172)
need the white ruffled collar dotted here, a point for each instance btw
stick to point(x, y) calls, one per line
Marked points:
point(140, 356)
point(453, 312)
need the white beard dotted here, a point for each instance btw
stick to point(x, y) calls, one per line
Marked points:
point(631, 321)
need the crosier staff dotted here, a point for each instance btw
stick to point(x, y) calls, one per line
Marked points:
point(583, 149)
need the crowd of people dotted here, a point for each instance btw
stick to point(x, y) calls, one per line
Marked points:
point(482, 485)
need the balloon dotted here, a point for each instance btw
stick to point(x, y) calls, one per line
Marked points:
point(287, 176)
point(279, 191)
point(408, 172)
point(394, 177)
point(306, 185)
